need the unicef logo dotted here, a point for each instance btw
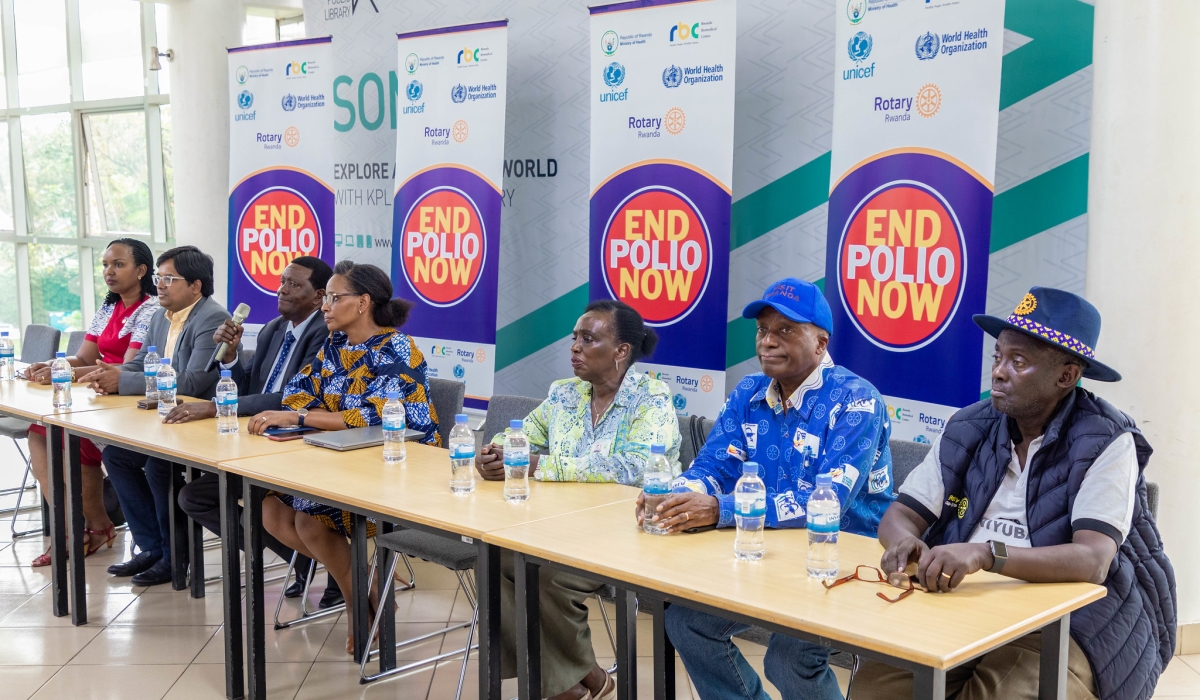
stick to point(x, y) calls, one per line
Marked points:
point(609, 43)
point(459, 372)
point(672, 76)
point(679, 402)
point(411, 62)
point(458, 94)
point(288, 102)
point(241, 75)
point(859, 47)
point(927, 46)
point(414, 91)
point(614, 74)
point(245, 99)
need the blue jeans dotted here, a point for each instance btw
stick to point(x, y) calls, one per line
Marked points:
point(800, 670)
point(143, 486)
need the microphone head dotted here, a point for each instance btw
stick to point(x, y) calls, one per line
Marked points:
point(241, 313)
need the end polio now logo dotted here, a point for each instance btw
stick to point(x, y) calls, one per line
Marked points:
point(277, 226)
point(444, 246)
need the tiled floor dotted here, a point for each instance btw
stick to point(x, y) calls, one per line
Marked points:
point(158, 643)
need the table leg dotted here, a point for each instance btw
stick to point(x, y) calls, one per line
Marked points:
point(1056, 643)
point(177, 520)
point(487, 585)
point(231, 585)
point(252, 498)
point(664, 651)
point(626, 645)
point(359, 564)
point(929, 684)
point(387, 621)
point(195, 541)
point(529, 627)
point(58, 522)
point(73, 490)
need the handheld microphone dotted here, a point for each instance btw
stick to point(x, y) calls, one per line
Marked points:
point(239, 315)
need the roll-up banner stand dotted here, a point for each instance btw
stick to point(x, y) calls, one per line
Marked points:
point(281, 205)
point(662, 97)
point(446, 212)
point(916, 106)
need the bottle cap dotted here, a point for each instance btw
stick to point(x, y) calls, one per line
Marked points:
point(393, 395)
point(152, 348)
point(460, 418)
point(60, 354)
point(165, 361)
point(658, 449)
point(825, 480)
point(750, 468)
point(225, 374)
point(516, 424)
point(3, 334)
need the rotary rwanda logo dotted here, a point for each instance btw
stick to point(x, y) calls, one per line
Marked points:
point(674, 121)
point(929, 100)
point(459, 131)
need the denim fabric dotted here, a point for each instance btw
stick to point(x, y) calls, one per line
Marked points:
point(143, 486)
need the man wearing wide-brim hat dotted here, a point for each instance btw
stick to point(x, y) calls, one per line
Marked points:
point(1042, 482)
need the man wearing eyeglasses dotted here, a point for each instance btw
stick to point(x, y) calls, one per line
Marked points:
point(183, 331)
point(286, 344)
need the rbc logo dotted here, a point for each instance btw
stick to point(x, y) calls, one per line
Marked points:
point(414, 91)
point(672, 77)
point(245, 99)
point(679, 402)
point(459, 372)
point(927, 46)
point(683, 32)
point(458, 94)
point(859, 47)
point(469, 55)
point(288, 102)
point(296, 68)
point(614, 74)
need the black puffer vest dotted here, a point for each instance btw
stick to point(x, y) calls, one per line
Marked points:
point(1129, 635)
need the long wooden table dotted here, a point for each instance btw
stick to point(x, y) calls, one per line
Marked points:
point(701, 572)
point(415, 495)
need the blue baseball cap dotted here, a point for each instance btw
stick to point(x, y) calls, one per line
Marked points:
point(796, 299)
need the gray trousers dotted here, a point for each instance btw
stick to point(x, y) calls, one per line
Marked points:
point(567, 654)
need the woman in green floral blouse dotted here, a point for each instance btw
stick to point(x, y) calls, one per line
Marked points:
point(595, 427)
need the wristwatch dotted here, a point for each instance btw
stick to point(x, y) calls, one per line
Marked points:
point(999, 552)
point(302, 413)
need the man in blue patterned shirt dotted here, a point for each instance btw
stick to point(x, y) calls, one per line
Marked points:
point(802, 416)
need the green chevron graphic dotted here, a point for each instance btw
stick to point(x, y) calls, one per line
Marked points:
point(1061, 33)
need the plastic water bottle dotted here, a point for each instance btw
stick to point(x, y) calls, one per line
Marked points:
point(150, 368)
point(824, 522)
point(750, 514)
point(227, 402)
point(656, 486)
point(394, 449)
point(60, 376)
point(8, 370)
point(462, 457)
point(166, 387)
point(516, 463)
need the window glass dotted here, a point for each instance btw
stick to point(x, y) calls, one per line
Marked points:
point(290, 29)
point(49, 173)
point(111, 34)
point(42, 75)
point(10, 319)
point(54, 286)
point(164, 42)
point(258, 29)
point(6, 215)
point(118, 184)
point(168, 168)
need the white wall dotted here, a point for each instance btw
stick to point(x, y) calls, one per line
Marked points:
point(1144, 243)
point(200, 31)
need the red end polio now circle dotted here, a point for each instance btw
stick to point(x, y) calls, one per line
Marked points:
point(444, 247)
point(657, 255)
point(902, 262)
point(277, 226)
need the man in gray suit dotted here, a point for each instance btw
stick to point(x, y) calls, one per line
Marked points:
point(183, 331)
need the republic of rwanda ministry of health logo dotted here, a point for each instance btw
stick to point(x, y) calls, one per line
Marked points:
point(609, 43)
point(856, 10)
point(410, 63)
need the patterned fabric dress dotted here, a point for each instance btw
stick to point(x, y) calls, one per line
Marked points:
point(354, 380)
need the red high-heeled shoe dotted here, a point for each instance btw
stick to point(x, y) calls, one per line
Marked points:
point(97, 540)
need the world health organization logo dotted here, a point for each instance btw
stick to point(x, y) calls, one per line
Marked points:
point(927, 46)
point(859, 47)
point(245, 99)
point(288, 102)
point(614, 74)
point(672, 76)
point(458, 94)
point(414, 91)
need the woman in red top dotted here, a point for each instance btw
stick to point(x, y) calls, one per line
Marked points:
point(116, 334)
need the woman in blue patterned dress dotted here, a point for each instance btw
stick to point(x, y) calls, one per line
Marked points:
point(363, 359)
